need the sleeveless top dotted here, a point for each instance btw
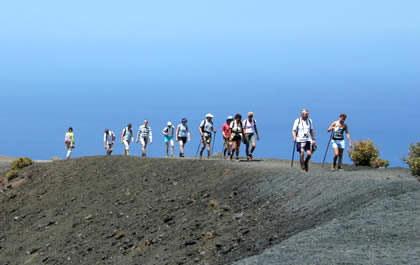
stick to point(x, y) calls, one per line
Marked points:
point(338, 133)
point(182, 130)
point(127, 135)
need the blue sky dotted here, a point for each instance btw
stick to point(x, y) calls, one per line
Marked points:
point(100, 64)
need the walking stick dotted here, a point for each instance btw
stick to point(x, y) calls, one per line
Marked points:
point(211, 153)
point(326, 151)
point(293, 153)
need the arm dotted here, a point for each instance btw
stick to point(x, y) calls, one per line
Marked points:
point(105, 140)
point(176, 134)
point(331, 127)
point(256, 131)
point(348, 135)
point(163, 131)
point(150, 135)
point(313, 137)
point(132, 135)
point(294, 131)
point(200, 129)
point(138, 136)
point(122, 135)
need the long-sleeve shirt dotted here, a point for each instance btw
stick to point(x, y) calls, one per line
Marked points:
point(144, 132)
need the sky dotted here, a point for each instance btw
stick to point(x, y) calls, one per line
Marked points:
point(102, 64)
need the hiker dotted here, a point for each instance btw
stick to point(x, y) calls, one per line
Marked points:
point(250, 128)
point(144, 135)
point(304, 137)
point(337, 140)
point(226, 137)
point(236, 135)
point(182, 133)
point(169, 132)
point(69, 142)
point(126, 138)
point(206, 128)
point(109, 140)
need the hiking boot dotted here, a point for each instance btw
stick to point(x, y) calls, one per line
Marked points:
point(237, 158)
point(251, 156)
point(332, 168)
point(303, 170)
point(340, 169)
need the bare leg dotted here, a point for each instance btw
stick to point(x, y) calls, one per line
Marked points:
point(336, 154)
point(167, 149)
point(308, 157)
point(340, 158)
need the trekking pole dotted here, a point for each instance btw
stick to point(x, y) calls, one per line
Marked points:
point(293, 153)
point(328, 145)
point(211, 153)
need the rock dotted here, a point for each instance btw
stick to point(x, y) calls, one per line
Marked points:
point(119, 235)
point(89, 217)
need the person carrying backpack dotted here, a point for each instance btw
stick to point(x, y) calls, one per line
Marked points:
point(226, 137)
point(250, 128)
point(236, 135)
point(126, 138)
point(304, 136)
point(169, 132)
point(182, 132)
point(337, 141)
point(109, 140)
point(69, 142)
point(144, 135)
point(206, 128)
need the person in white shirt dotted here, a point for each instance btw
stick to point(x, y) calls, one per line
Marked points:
point(250, 128)
point(144, 135)
point(205, 129)
point(304, 136)
point(127, 137)
point(109, 140)
point(169, 132)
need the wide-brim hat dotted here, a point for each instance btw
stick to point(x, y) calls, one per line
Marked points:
point(209, 115)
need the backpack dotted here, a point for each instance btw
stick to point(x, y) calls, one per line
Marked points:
point(310, 125)
point(67, 138)
point(204, 125)
point(237, 128)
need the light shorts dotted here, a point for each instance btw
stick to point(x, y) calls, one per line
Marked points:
point(169, 139)
point(250, 138)
point(127, 145)
point(340, 144)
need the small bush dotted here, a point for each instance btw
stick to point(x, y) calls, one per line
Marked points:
point(413, 159)
point(12, 174)
point(363, 152)
point(55, 158)
point(379, 162)
point(21, 162)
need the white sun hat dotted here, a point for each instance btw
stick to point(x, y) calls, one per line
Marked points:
point(209, 115)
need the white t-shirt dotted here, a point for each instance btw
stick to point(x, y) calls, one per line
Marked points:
point(302, 128)
point(249, 126)
point(169, 130)
point(108, 137)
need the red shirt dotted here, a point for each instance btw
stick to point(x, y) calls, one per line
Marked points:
point(226, 129)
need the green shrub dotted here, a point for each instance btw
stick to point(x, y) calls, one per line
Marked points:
point(11, 174)
point(413, 159)
point(21, 162)
point(379, 162)
point(363, 152)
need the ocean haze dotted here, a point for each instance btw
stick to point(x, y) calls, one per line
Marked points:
point(104, 64)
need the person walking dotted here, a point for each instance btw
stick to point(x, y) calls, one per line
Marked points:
point(169, 132)
point(182, 134)
point(127, 137)
point(69, 142)
point(304, 135)
point(226, 137)
point(337, 141)
point(250, 128)
point(236, 135)
point(109, 140)
point(206, 128)
point(144, 135)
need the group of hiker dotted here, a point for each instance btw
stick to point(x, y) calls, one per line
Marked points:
point(235, 131)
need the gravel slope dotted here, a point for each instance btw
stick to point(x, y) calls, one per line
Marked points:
point(128, 210)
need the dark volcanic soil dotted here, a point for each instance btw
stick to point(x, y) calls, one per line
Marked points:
point(128, 210)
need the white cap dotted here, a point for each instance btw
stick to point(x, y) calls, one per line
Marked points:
point(209, 115)
point(169, 123)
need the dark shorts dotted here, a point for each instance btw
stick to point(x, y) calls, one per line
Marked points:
point(206, 139)
point(183, 139)
point(236, 137)
point(306, 146)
